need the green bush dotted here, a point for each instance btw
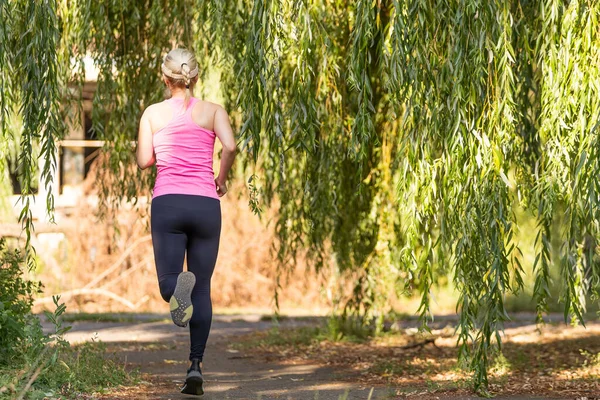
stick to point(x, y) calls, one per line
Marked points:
point(34, 365)
point(20, 331)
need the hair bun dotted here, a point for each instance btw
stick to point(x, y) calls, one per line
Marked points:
point(185, 68)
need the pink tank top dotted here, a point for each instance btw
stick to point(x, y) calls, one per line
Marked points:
point(184, 155)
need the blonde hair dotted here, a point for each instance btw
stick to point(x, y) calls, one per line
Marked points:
point(181, 69)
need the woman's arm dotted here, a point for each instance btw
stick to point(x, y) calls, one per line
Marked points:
point(145, 149)
point(225, 134)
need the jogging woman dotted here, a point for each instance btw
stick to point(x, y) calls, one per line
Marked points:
point(178, 135)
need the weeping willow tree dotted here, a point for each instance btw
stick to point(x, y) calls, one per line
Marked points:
point(400, 136)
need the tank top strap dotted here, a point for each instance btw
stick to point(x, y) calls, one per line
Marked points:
point(177, 106)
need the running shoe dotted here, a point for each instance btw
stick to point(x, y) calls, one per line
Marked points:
point(181, 301)
point(194, 379)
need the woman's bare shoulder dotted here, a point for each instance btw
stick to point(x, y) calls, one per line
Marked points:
point(204, 113)
point(158, 114)
point(207, 106)
point(155, 107)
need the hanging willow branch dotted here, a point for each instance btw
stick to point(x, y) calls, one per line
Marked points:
point(31, 85)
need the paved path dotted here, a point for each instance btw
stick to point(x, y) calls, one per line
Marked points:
point(160, 350)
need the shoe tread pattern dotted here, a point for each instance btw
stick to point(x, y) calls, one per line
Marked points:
point(181, 301)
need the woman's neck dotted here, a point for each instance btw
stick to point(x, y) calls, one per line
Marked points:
point(178, 94)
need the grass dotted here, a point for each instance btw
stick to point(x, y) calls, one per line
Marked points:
point(333, 329)
point(284, 317)
point(78, 371)
point(121, 317)
point(275, 337)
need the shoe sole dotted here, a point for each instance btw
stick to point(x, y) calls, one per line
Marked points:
point(181, 301)
point(193, 385)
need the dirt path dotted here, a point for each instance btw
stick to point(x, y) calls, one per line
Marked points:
point(160, 351)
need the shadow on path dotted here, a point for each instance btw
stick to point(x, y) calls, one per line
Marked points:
point(160, 351)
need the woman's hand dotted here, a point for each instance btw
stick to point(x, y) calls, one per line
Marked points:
point(221, 187)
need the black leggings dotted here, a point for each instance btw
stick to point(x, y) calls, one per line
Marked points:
point(189, 223)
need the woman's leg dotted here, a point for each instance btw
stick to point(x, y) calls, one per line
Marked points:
point(202, 250)
point(169, 242)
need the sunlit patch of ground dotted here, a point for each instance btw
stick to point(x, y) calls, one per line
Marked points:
point(557, 360)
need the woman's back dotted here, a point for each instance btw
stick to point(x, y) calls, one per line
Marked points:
point(183, 142)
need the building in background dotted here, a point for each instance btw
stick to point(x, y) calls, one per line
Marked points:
point(75, 154)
